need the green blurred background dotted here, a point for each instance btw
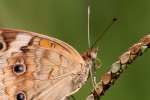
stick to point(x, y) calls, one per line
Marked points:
point(67, 20)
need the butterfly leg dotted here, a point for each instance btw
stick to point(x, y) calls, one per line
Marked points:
point(92, 76)
point(96, 63)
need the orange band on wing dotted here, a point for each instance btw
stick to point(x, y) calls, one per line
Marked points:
point(45, 43)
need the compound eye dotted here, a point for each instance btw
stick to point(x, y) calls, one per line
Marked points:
point(20, 96)
point(19, 69)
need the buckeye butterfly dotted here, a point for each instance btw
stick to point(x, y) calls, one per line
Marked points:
point(38, 67)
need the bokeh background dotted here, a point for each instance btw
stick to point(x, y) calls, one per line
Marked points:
point(67, 20)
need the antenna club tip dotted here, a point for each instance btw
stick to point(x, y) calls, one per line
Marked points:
point(115, 19)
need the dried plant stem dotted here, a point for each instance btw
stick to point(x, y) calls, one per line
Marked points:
point(108, 78)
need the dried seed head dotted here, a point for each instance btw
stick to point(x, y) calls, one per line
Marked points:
point(135, 49)
point(98, 89)
point(124, 58)
point(146, 40)
point(106, 78)
point(115, 67)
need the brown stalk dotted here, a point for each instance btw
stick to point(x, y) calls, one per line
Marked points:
point(109, 78)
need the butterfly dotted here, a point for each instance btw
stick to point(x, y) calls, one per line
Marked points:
point(37, 67)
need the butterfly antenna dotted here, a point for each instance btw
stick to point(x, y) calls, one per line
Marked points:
point(103, 33)
point(89, 41)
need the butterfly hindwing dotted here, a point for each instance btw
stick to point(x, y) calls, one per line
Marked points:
point(38, 67)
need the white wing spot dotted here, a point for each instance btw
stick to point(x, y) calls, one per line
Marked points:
point(22, 39)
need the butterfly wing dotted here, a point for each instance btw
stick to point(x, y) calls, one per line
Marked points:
point(37, 67)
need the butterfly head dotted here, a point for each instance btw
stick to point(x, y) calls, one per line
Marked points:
point(91, 54)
